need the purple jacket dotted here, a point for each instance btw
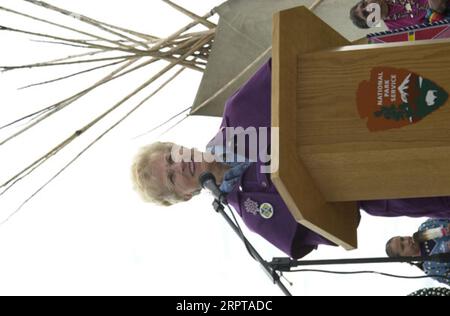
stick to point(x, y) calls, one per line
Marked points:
point(250, 106)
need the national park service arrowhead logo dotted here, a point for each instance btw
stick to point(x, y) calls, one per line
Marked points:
point(396, 97)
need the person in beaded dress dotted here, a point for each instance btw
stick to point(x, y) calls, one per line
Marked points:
point(433, 237)
point(396, 13)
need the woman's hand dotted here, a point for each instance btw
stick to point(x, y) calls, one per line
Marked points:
point(438, 6)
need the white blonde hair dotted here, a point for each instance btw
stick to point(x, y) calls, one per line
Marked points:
point(144, 180)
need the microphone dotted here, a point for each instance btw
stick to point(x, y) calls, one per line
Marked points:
point(208, 181)
point(431, 234)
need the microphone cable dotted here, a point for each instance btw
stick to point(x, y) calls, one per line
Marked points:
point(241, 233)
point(373, 272)
point(429, 276)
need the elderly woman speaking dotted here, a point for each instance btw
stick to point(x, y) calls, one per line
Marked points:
point(162, 177)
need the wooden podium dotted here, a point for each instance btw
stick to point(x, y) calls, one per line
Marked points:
point(329, 155)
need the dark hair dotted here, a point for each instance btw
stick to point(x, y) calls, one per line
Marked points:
point(357, 20)
point(389, 252)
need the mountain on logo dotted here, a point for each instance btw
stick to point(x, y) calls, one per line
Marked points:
point(403, 89)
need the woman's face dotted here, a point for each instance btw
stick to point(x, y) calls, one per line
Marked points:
point(179, 175)
point(362, 10)
point(404, 247)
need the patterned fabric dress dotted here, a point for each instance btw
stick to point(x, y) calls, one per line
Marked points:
point(436, 246)
point(404, 13)
point(433, 291)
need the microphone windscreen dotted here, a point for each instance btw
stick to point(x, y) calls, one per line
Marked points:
point(205, 177)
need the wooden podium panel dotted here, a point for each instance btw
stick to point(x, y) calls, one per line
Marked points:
point(348, 161)
point(329, 153)
point(298, 31)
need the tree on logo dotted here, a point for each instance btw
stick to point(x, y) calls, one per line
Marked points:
point(393, 112)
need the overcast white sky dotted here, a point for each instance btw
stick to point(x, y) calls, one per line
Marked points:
point(88, 233)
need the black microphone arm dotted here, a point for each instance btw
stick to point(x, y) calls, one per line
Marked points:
point(286, 264)
point(271, 272)
point(208, 181)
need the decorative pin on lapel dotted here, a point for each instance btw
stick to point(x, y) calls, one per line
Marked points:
point(266, 210)
point(251, 206)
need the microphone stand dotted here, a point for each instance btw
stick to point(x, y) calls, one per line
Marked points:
point(278, 265)
point(285, 264)
point(270, 271)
